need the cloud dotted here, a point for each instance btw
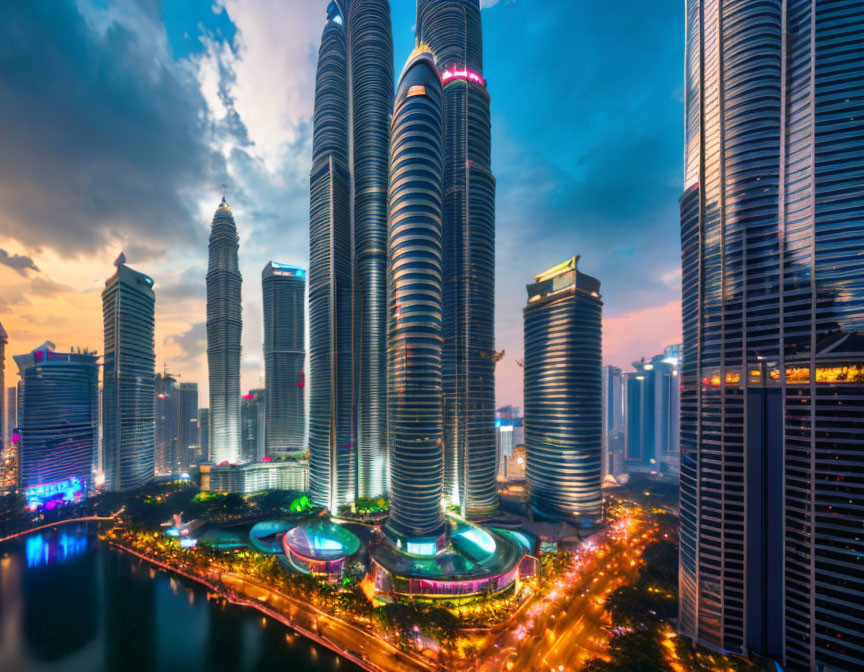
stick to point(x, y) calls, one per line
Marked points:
point(17, 262)
point(44, 286)
point(104, 137)
point(192, 343)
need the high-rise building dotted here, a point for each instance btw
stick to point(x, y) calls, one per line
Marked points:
point(347, 257)
point(11, 411)
point(253, 425)
point(509, 433)
point(414, 336)
point(166, 409)
point(563, 393)
point(613, 422)
point(4, 339)
point(452, 31)
point(224, 328)
point(651, 411)
point(187, 426)
point(204, 434)
point(284, 290)
point(128, 311)
point(772, 406)
point(58, 423)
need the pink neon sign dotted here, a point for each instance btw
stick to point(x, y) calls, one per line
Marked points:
point(463, 73)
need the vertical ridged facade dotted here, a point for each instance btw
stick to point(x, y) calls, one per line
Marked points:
point(58, 415)
point(224, 329)
point(204, 433)
point(772, 406)
point(563, 394)
point(128, 438)
point(371, 103)
point(284, 291)
point(166, 424)
point(452, 31)
point(332, 450)
point(415, 270)
point(348, 259)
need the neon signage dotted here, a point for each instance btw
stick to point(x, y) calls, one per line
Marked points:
point(50, 495)
point(462, 73)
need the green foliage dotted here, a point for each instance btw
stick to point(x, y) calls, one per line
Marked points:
point(371, 504)
point(405, 619)
point(699, 659)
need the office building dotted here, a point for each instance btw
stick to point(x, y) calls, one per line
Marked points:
point(167, 424)
point(651, 416)
point(128, 439)
point(563, 393)
point(284, 291)
point(224, 328)
point(613, 422)
point(253, 419)
point(451, 29)
point(58, 424)
point(187, 426)
point(414, 336)
point(11, 411)
point(509, 433)
point(772, 406)
point(204, 435)
point(249, 477)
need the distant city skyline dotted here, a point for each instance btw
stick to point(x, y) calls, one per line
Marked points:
point(570, 183)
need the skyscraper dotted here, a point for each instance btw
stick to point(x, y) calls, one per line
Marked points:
point(651, 411)
point(284, 290)
point(4, 339)
point(187, 425)
point(58, 422)
point(224, 328)
point(11, 411)
point(563, 390)
point(165, 390)
point(772, 407)
point(414, 281)
point(253, 425)
point(452, 31)
point(347, 259)
point(128, 310)
point(204, 434)
point(613, 422)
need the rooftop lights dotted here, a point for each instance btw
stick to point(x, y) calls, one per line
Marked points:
point(462, 73)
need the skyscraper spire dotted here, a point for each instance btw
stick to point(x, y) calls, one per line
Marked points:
point(224, 328)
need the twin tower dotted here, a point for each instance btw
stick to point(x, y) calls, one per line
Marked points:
point(402, 268)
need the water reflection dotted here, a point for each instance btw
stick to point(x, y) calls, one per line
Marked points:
point(70, 603)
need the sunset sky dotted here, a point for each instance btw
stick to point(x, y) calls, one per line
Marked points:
point(121, 119)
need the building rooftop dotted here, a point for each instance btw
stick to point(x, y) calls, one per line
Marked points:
point(563, 277)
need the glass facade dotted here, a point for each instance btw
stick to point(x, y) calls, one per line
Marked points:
point(187, 426)
point(563, 393)
point(58, 406)
point(284, 290)
point(224, 328)
point(773, 302)
point(613, 422)
point(253, 425)
point(128, 438)
point(332, 450)
point(651, 416)
point(371, 46)
point(4, 339)
point(452, 31)
point(414, 282)
point(167, 425)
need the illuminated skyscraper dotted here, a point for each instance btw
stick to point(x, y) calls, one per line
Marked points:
point(253, 425)
point(414, 278)
point(772, 407)
point(451, 29)
point(563, 390)
point(224, 328)
point(284, 290)
point(613, 422)
point(347, 259)
point(11, 411)
point(128, 440)
point(58, 420)
point(204, 434)
point(651, 411)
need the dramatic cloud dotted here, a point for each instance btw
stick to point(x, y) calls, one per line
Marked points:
point(18, 262)
point(102, 134)
point(190, 345)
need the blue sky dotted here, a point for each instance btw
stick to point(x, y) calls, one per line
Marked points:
point(122, 117)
